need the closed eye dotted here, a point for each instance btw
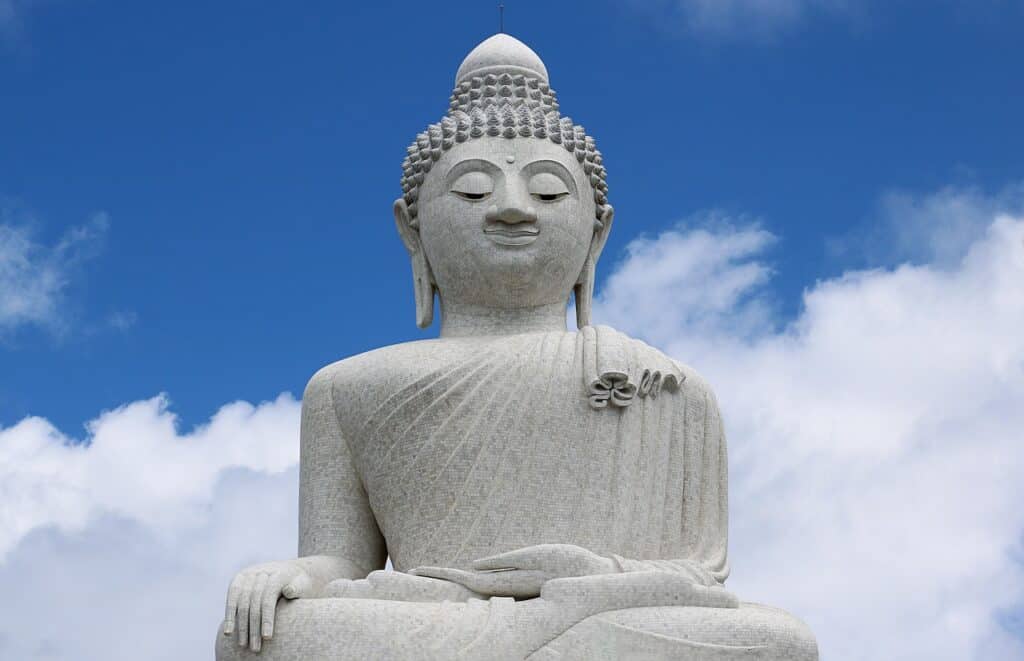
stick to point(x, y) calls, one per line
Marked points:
point(550, 197)
point(471, 196)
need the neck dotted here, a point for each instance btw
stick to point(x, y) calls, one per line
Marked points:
point(462, 320)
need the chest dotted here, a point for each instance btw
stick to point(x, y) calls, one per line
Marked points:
point(479, 403)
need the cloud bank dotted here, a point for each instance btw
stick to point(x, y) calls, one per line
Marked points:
point(876, 441)
point(120, 547)
point(875, 448)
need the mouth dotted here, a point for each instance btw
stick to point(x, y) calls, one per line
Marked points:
point(512, 236)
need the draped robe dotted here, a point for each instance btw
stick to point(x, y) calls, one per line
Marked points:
point(444, 451)
point(499, 449)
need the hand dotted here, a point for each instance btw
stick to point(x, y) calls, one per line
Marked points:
point(398, 586)
point(252, 599)
point(523, 572)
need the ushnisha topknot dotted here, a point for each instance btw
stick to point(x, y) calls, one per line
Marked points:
point(502, 90)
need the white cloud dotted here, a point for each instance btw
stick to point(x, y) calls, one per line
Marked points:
point(875, 442)
point(34, 278)
point(732, 18)
point(876, 460)
point(121, 547)
point(135, 464)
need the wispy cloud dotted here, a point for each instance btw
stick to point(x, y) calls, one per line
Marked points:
point(12, 20)
point(875, 445)
point(935, 229)
point(34, 278)
point(728, 19)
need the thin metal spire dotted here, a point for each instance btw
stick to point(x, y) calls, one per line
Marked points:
point(501, 17)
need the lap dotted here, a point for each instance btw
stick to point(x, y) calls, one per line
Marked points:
point(752, 632)
point(337, 629)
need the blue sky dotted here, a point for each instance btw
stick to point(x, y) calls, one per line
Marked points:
point(247, 155)
point(195, 200)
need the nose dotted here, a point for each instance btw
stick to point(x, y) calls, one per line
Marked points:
point(511, 214)
point(511, 211)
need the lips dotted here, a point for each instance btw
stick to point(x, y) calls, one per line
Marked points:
point(512, 235)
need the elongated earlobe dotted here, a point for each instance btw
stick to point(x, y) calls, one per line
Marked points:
point(422, 279)
point(583, 291)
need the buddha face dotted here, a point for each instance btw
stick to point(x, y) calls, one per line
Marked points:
point(506, 223)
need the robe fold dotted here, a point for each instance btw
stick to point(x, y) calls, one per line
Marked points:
point(503, 447)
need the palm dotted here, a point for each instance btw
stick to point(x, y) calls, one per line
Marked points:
point(523, 572)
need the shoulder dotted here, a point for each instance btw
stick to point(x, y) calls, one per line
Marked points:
point(386, 364)
point(360, 382)
point(691, 383)
point(694, 382)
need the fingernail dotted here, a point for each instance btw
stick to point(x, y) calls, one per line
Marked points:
point(267, 631)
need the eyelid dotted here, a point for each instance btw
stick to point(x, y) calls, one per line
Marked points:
point(546, 183)
point(550, 197)
point(472, 197)
point(473, 183)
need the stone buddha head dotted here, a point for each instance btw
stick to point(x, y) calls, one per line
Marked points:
point(504, 201)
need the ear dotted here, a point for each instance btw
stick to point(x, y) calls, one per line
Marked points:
point(422, 279)
point(584, 289)
point(601, 229)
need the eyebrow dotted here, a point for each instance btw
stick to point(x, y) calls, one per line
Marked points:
point(462, 166)
point(560, 170)
point(483, 164)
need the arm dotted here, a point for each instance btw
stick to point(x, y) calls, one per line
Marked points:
point(704, 553)
point(338, 536)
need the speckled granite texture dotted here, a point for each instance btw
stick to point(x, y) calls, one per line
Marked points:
point(542, 493)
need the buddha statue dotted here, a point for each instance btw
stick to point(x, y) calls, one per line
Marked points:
point(542, 493)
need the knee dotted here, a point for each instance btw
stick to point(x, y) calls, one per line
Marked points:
point(227, 649)
point(787, 636)
point(225, 646)
point(751, 631)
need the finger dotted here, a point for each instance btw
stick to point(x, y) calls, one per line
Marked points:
point(432, 572)
point(300, 586)
point(268, 607)
point(459, 576)
point(401, 586)
point(242, 617)
point(232, 605)
point(518, 583)
point(388, 584)
point(540, 556)
point(526, 558)
point(255, 603)
point(511, 583)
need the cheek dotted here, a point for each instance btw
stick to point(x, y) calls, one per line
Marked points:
point(569, 232)
point(450, 233)
point(444, 218)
